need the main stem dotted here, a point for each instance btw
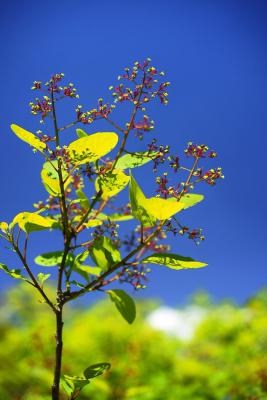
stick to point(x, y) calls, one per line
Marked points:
point(58, 354)
point(67, 241)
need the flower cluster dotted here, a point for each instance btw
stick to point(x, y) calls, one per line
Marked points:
point(199, 151)
point(88, 117)
point(43, 106)
point(135, 275)
point(160, 153)
point(176, 228)
point(210, 176)
point(166, 191)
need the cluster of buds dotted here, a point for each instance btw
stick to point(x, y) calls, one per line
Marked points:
point(135, 275)
point(166, 191)
point(88, 117)
point(210, 176)
point(41, 106)
point(199, 151)
point(160, 153)
point(142, 90)
point(176, 228)
point(108, 228)
point(44, 106)
point(193, 234)
point(142, 126)
point(45, 138)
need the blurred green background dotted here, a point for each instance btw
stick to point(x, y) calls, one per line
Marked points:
point(225, 357)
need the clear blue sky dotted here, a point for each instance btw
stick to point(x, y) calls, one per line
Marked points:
point(214, 54)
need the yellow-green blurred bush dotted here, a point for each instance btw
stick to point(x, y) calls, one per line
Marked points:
point(226, 359)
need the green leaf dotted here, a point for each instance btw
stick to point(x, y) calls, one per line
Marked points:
point(114, 217)
point(104, 253)
point(173, 261)
point(14, 273)
point(53, 259)
point(134, 160)
point(81, 133)
point(96, 370)
point(92, 147)
point(28, 137)
point(50, 178)
point(84, 201)
point(162, 209)
point(75, 383)
point(137, 199)
point(42, 277)
point(149, 210)
point(30, 222)
point(124, 304)
point(191, 199)
point(111, 183)
point(86, 270)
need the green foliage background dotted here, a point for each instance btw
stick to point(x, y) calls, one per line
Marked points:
point(227, 358)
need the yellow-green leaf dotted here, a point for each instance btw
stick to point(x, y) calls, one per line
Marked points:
point(191, 199)
point(28, 137)
point(135, 160)
point(30, 222)
point(137, 198)
point(3, 227)
point(111, 183)
point(162, 208)
point(50, 179)
point(173, 261)
point(124, 304)
point(92, 147)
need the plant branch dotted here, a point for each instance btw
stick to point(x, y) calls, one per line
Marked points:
point(97, 282)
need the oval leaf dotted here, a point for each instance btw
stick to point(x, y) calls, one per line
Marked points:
point(104, 253)
point(124, 304)
point(30, 222)
point(111, 183)
point(174, 261)
point(92, 147)
point(191, 199)
point(28, 137)
point(162, 209)
point(52, 259)
point(134, 160)
point(96, 370)
point(137, 199)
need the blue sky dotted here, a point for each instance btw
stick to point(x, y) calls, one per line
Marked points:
point(214, 54)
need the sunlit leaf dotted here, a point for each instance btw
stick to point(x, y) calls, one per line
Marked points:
point(96, 370)
point(81, 133)
point(191, 199)
point(28, 137)
point(111, 183)
point(50, 179)
point(124, 304)
point(14, 273)
point(84, 201)
point(137, 198)
point(92, 147)
point(114, 217)
point(92, 223)
point(42, 277)
point(3, 227)
point(134, 160)
point(30, 222)
point(77, 382)
point(104, 253)
point(53, 259)
point(162, 209)
point(174, 261)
